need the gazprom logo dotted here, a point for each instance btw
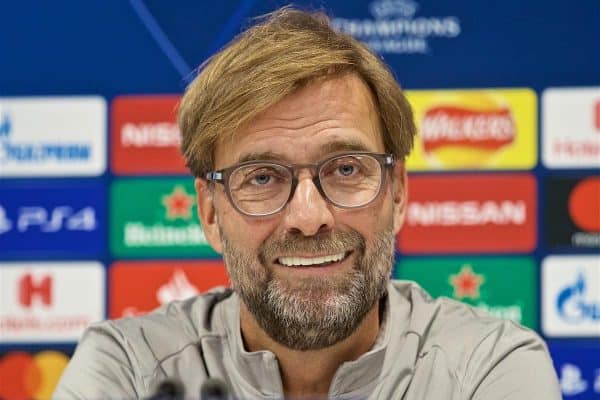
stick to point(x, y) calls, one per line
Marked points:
point(5, 125)
point(573, 306)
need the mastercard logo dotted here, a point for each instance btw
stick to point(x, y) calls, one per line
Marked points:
point(25, 376)
point(471, 128)
point(583, 204)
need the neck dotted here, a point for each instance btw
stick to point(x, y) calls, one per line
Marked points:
point(308, 374)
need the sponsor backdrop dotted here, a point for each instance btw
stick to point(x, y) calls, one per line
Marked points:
point(97, 210)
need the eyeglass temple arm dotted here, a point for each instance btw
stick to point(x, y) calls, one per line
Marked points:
point(215, 176)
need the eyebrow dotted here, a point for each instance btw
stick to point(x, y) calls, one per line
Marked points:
point(327, 149)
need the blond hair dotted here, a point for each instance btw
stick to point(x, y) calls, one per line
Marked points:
point(281, 53)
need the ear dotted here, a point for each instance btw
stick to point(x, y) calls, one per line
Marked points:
point(400, 194)
point(207, 214)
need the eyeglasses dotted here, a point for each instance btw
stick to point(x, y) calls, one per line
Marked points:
point(261, 188)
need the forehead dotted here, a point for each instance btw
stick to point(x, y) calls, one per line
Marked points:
point(336, 114)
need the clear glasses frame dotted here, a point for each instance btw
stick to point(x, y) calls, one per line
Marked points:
point(222, 176)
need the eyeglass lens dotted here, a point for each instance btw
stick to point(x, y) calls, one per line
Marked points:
point(347, 181)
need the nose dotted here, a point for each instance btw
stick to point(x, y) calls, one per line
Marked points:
point(308, 212)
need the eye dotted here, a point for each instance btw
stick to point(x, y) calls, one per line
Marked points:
point(262, 179)
point(346, 169)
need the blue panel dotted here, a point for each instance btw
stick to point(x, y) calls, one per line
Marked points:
point(578, 366)
point(46, 219)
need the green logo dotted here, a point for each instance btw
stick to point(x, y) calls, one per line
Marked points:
point(155, 217)
point(503, 286)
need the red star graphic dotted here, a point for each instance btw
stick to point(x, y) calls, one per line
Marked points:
point(178, 204)
point(466, 283)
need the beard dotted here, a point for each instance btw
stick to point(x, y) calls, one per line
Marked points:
point(311, 313)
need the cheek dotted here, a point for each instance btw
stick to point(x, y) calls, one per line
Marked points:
point(246, 233)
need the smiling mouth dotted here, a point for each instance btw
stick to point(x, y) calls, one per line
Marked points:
point(320, 261)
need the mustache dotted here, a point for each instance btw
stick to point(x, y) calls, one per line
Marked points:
point(330, 242)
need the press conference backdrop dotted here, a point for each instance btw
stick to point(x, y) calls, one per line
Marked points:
point(97, 211)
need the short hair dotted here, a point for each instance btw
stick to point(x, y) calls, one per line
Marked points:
point(283, 52)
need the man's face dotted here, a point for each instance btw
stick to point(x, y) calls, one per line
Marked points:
point(316, 305)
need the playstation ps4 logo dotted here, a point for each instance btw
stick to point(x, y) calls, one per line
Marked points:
point(574, 307)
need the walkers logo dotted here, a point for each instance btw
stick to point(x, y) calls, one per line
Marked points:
point(31, 376)
point(571, 295)
point(470, 213)
point(396, 28)
point(52, 136)
point(49, 301)
point(145, 137)
point(44, 219)
point(158, 218)
point(163, 282)
point(474, 129)
point(572, 215)
point(571, 127)
point(577, 367)
point(502, 286)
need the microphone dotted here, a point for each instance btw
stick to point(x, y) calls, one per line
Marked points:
point(214, 389)
point(169, 389)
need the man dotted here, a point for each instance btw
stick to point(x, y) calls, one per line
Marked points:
point(297, 136)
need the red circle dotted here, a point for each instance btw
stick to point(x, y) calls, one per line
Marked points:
point(584, 204)
point(19, 376)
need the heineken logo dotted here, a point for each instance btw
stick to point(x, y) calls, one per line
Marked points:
point(178, 204)
point(466, 283)
point(500, 286)
point(155, 217)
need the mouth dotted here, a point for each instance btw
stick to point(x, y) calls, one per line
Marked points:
point(312, 262)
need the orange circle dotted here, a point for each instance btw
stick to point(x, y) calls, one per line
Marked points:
point(584, 204)
point(20, 377)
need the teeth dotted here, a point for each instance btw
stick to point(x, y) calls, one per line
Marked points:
point(296, 261)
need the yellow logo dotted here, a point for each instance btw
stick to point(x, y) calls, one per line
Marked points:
point(474, 129)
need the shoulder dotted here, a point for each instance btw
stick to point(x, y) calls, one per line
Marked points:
point(123, 357)
point(475, 346)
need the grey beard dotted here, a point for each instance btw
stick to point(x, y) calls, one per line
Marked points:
point(311, 313)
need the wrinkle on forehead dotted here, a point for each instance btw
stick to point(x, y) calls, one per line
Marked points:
point(334, 106)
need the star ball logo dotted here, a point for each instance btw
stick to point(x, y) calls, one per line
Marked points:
point(157, 219)
point(395, 27)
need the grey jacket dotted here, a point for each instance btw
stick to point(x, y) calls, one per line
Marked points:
point(427, 349)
